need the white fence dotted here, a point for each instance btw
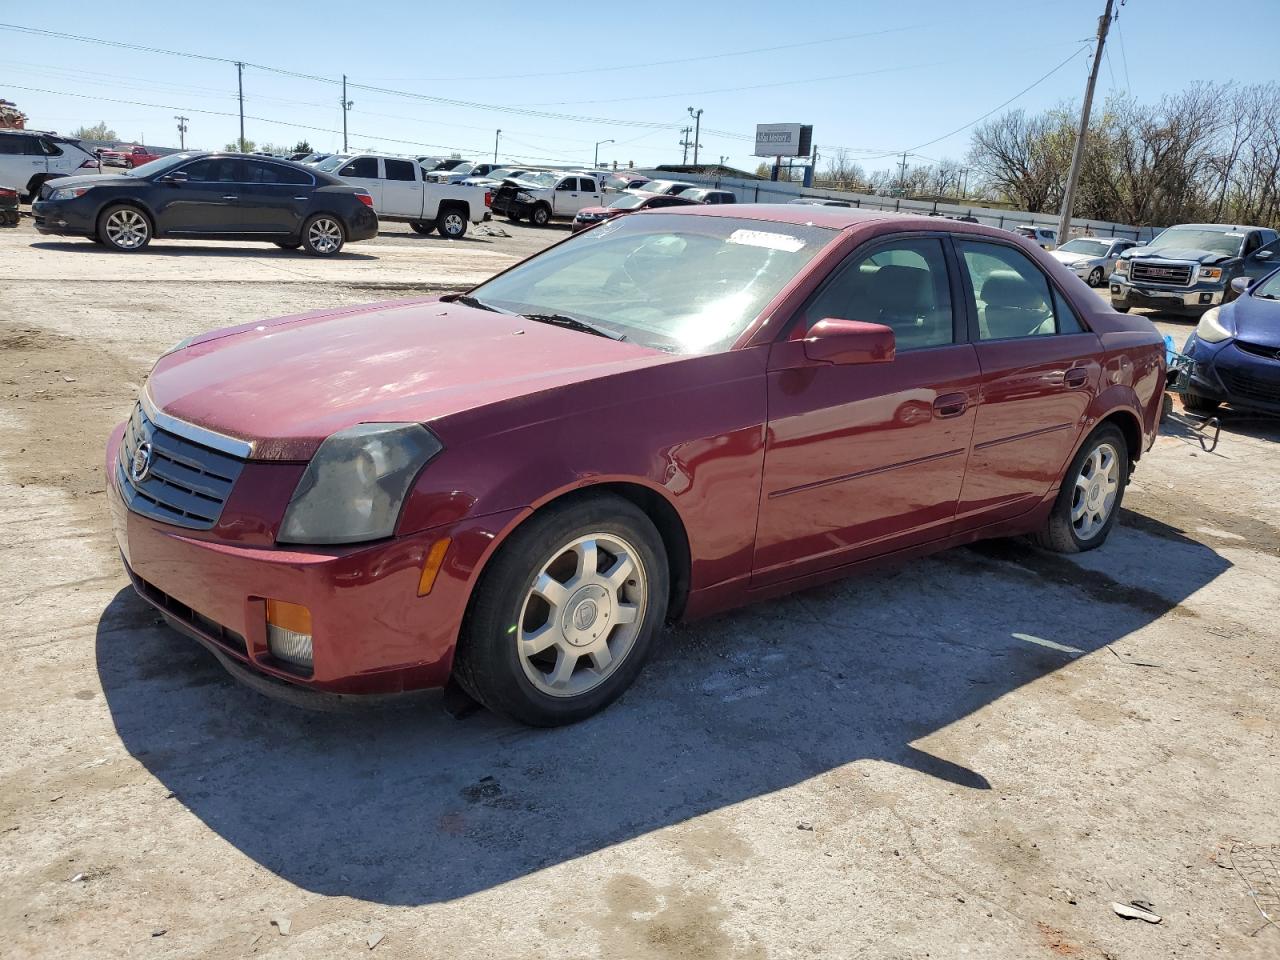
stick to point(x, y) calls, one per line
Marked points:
point(782, 191)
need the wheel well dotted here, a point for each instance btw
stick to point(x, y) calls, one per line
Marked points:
point(663, 516)
point(1132, 432)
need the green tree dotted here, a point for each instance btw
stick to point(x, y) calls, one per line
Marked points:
point(234, 146)
point(99, 131)
point(302, 146)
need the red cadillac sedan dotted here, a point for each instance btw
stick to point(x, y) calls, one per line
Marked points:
point(662, 417)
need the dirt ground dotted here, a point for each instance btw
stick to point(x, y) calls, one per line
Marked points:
point(972, 755)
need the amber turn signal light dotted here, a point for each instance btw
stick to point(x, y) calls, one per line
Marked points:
point(431, 566)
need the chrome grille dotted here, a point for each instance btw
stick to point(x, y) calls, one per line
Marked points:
point(1175, 274)
point(187, 483)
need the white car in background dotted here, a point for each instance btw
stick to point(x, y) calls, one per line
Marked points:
point(544, 196)
point(29, 157)
point(1092, 259)
point(1042, 236)
point(402, 191)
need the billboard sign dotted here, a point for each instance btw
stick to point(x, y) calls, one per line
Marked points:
point(783, 140)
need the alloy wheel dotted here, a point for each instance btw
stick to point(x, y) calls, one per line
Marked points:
point(582, 615)
point(325, 235)
point(453, 225)
point(1094, 496)
point(127, 229)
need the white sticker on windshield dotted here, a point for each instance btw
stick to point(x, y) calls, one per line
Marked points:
point(770, 241)
point(1233, 234)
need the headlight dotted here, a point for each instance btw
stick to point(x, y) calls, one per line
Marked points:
point(1210, 273)
point(1211, 329)
point(525, 197)
point(69, 193)
point(354, 486)
point(1122, 267)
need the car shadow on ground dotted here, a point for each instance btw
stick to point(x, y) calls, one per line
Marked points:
point(228, 249)
point(408, 806)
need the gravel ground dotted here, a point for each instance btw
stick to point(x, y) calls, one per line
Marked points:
point(971, 755)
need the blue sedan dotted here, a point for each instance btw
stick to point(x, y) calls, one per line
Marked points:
point(1236, 349)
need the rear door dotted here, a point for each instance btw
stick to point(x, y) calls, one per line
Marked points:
point(275, 197)
point(364, 172)
point(590, 190)
point(17, 165)
point(1040, 374)
point(401, 188)
point(864, 459)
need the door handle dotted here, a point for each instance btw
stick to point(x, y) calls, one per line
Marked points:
point(230, 198)
point(951, 404)
point(1076, 377)
point(300, 198)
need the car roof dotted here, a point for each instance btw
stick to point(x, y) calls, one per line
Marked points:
point(1215, 227)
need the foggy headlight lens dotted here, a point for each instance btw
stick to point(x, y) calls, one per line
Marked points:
point(354, 486)
point(1122, 267)
point(1211, 329)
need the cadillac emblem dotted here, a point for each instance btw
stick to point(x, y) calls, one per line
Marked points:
point(140, 465)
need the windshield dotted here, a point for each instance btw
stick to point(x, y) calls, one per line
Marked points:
point(160, 165)
point(502, 173)
point(334, 162)
point(620, 183)
point(668, 281)
point(545, 179)
point(629, 202)
point(1186, 238)
point(1268, 288)
point(1093, 248)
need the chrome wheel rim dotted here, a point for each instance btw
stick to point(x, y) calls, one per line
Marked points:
point(540, 216)
point(1094, 496)
point(325, 236)
point(582, 615)
point(127, 229)
point(453, 224)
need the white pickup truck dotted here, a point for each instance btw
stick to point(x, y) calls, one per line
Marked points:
point(541, 196)
point(401, 191)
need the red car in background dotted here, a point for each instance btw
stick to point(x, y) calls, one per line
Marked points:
point(128, 156)
point(673, 414)
point(627, 203)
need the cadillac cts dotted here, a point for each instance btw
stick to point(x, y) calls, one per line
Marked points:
point(667, 415)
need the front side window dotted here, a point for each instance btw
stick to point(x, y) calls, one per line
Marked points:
point(366, 167)
point(214, 170)
point(903, 284)
point(1012, 297)
point(665, 280)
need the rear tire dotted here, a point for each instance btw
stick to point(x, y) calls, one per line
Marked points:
point(551, 636)
point(452, 223)
point(124, 227)
point(323, 235)
point(423, 227)
point(1194, 403)
point(540, 216)
point(1091, 493)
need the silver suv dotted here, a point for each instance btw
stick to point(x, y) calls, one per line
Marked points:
point(29, 157)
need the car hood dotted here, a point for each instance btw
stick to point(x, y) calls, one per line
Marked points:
point(1190, 254)
point(1073, 258)
point(93, 180)
point(287, 384)
point(1256, 320)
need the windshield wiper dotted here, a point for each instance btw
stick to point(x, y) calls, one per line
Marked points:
point(572, 323)
point(469, 301)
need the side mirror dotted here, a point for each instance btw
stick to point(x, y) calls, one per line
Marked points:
point(1241, 284)
point(849, 341)
point(175, 178)
point(1264, 255)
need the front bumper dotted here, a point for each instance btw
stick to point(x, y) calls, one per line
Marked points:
point(1192, 300)
point(1224, 372)
point(76, 218)
point(371, 632)
point(506, 206)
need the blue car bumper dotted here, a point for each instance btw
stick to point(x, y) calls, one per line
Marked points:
point(1239, 374)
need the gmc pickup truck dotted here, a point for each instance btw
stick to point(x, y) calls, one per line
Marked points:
point(401, 191)
point(1188, 268)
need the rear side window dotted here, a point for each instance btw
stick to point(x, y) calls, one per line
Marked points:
point(399, 169)
point(258, 172)
point(361, 167)
point(1012, 297)
point(903, 284)
point(49, 148)
point(588, 185)
point(12, 146)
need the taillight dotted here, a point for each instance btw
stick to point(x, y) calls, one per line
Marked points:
point(488, 199)
point(6, 192)
point(366, 198)
point(89, 165)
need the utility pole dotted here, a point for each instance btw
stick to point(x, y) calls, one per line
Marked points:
point(496, 134)
point(182, 132)
point(1077, 156)
point(346, 106)
point(684, 142)
point(697, 131)
point(902, 177)
point(596, 163)
point(964, 182)
point(240, 88)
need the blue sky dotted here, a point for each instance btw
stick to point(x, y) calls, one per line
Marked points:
point(875, 77)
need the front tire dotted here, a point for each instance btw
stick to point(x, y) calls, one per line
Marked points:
point(540, 216)
point(423, 227)
point(1119, 309)
point(287, 244)
point(566, 613)
point(323, 235)
point(125, 228)
point(1092, 491)
point(1095, 277)
point(1194, 403)
point(452, 224)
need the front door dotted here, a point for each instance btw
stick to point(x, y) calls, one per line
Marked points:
point(864, 459)
point(1039, 378)
point(206, 202)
